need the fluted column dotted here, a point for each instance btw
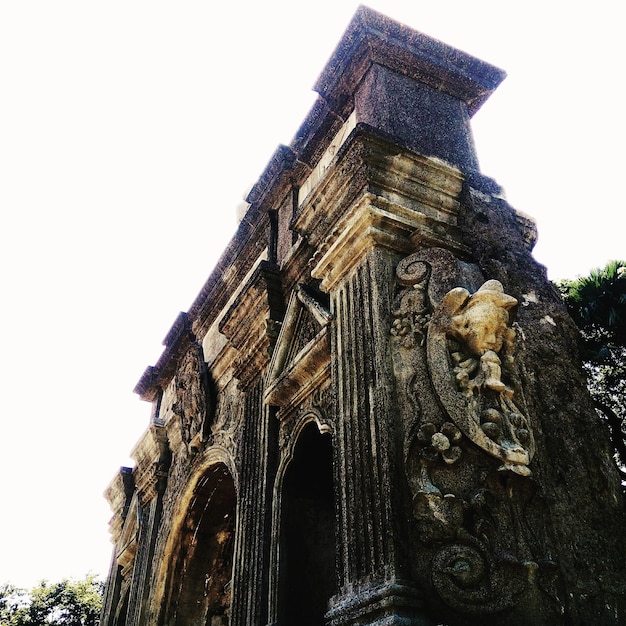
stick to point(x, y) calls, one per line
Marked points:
point(374, 204)
point(151, 482)
point(370, 563)
point(257, 467)
point(363, 406)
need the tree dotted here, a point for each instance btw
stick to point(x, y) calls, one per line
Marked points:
point(12, 600)
point(597, 303)
point(66, 603)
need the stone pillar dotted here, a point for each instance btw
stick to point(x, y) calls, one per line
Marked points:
point(355, 264)
point(119, 494)
point(111, 597)
point(252, 543)
point(371, 568)
point(251, 325)
point(151, 485)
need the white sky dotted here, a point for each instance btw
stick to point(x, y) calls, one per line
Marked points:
point(129, 132)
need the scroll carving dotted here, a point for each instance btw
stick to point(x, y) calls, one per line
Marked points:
point(486, 556)
point(411, 315)
point(468, 444)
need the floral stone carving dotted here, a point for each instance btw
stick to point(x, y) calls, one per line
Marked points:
point(470, 349)
point(480, 538)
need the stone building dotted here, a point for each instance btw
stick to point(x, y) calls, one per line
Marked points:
point(373, 412)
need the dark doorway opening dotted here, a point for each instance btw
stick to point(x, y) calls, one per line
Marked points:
point(308, 577)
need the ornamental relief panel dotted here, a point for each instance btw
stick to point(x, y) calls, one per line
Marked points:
point(193, 406)
point(228, 422)
point(197, 418)
point(470, 350)
point(479, 536)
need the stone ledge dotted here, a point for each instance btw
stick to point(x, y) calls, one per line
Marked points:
point(374, 38)
point(377, 603)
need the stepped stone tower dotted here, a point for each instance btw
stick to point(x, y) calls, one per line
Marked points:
point(373, 413)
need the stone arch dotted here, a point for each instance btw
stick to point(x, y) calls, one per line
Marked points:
point(304, 518)
point(196, 573)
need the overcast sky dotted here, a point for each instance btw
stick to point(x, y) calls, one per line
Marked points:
point(130, 131)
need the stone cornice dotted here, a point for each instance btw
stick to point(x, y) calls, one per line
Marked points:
point(240, 255)
point(275, 180)
point(152, 462)
point(158, 376)
point(118, 494)
point(313, 136)
point(373, 38)
point(375, 193)
point(251, 322)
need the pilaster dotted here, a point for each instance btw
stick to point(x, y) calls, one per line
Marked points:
point(374, 203)
point(367, 455)
point(119, 495)
point(153, 458)
point(252, 542)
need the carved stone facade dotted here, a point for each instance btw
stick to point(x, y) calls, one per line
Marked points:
point(373, 413)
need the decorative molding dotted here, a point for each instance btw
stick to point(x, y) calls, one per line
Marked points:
point(368, 163)
point(119, 494)
point(157, 377)
point(314, 408)
point(252, 322)
point(376, 603)
point(323, 165)
point(153, 457)
point(374, 194)
point(301, 359)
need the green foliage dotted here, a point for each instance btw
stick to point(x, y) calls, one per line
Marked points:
point(597, 303)
point(12, 601)
point(66, 603)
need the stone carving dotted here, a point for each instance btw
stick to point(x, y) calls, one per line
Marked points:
point(411, 315)
point(454, 361)
point(482, 326)
point(192, 399)
point(470, 357)
point(318, 405)
point(486, 555)
point(440, 443)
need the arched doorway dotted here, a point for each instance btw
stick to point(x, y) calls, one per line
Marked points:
point(200, 579)
point(307, 563)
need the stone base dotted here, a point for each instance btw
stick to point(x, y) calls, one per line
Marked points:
point(377, 603)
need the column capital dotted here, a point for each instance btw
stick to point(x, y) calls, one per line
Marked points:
point(375, 193)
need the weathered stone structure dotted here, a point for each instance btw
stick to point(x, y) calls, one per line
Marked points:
point(373, 412)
